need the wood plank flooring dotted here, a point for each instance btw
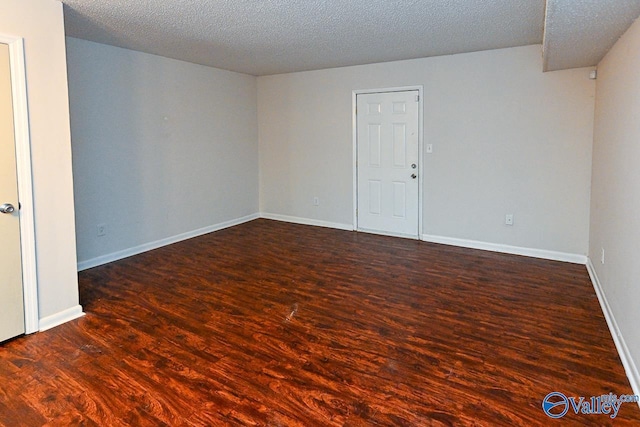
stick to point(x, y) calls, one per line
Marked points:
point(274, 324)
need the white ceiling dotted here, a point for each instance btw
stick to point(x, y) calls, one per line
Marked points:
point(262, 37)
point(579, 33)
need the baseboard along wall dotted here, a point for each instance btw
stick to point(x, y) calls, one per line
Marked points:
point(623, 350)
point(60, 318)
point(125, 253)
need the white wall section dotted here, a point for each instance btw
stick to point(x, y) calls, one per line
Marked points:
point(506, 138)
point(40, 23)
point(160, 147)
point(615, 205)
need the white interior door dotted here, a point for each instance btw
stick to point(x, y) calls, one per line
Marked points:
point(388, 159)
point(11, 291)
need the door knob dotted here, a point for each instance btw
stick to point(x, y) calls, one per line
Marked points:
point(7, 208)
point(414, 176)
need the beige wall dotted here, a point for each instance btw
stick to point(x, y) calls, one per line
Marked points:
point(40, 23)
point(615, 199)
point(507, 138)
point(160, 148)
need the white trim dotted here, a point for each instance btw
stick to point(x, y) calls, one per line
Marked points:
point(390, 234)
point(354, 160)
point(354, 127)
point(514, 250)
point(630, 367)
point(306, 221)
point(60, 318)
point(25, 185)
point(473, 244)
point(421, 154)
point(545, 39)
point(125, 253)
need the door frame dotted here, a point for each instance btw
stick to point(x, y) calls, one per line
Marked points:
point(354, 126)
point(25, 184)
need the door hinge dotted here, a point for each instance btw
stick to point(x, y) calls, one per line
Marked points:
point(417, 98)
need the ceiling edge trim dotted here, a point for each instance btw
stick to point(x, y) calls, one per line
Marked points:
point(545, 38)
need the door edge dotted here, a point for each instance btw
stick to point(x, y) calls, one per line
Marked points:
point(25, 184)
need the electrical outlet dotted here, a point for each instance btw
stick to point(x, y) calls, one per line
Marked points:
point(508, 219)
point(602, 256)
point(102, 230)
point(316, 201)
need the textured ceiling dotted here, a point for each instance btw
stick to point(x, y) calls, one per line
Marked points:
point(262, 37)
point(578, 33)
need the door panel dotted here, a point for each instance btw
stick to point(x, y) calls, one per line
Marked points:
point(374, 145)
point(399, 200)
point(388, 156)
point(374, 197)
point(399, 145)
point(11, 293)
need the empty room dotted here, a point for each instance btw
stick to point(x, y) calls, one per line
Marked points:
point(319, 213)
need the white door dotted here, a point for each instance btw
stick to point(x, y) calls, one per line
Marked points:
point(388, 159)
point(11, 299)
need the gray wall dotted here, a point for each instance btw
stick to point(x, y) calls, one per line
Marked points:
point(615, 199)
point(160, 147)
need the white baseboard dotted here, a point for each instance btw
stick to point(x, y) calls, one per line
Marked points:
point(514, 250)
point(125, 253)
point(306, 221)
point(623, 351)
point(390, 234)
point(60, 318)
point(474, 244)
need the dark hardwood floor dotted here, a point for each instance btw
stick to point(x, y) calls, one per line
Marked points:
point(274, 324)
